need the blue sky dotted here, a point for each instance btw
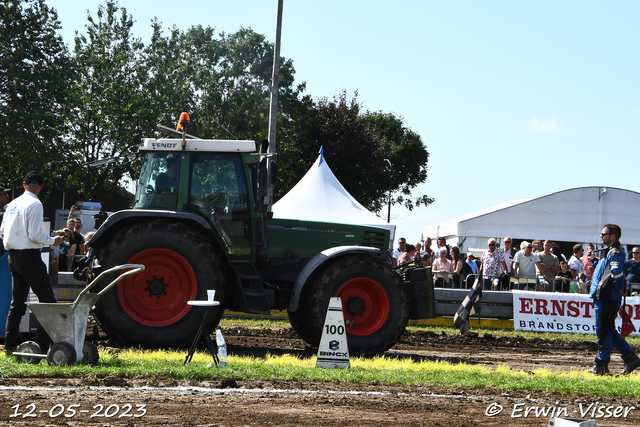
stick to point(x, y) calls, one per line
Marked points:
point(512, 99)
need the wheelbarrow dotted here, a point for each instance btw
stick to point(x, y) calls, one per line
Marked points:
point(66, 324)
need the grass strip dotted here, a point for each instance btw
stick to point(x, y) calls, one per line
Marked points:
point(386, 371)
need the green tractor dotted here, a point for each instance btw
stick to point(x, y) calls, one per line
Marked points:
point(201, 220)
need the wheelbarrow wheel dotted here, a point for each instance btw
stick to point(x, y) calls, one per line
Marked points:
point(31, 347)
point(90, 354)
point(61, 354)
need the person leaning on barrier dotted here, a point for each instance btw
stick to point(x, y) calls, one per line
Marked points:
point(493, 264)
point(426, 256)
point(607, 289)
point(509, 253)
point(407, 255)
point(23, 237)
point(442, 265)
point(525, 264)
point(563, 278)
point(456, 266)
point(442, 243)
point(550, 263)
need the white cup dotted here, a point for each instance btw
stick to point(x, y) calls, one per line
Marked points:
point(211, 293)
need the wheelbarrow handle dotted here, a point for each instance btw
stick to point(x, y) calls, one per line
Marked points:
point(136, 268)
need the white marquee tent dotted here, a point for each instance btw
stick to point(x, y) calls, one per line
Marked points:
point(319, 196)
point(574, 215)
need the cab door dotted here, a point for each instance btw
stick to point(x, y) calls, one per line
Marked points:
point(218, 187)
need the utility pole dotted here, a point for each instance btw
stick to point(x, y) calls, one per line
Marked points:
point(390, 173)
point(273, 104)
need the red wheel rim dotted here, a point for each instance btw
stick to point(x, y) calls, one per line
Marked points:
point(365, 305)
point(158, 295)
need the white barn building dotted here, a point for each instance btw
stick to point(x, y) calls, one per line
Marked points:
point(566, 217)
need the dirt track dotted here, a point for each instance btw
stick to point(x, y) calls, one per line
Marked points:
point(233, 402)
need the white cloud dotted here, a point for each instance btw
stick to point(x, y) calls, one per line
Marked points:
point(549, 125)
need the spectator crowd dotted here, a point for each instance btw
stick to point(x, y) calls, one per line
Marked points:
point(536, 265)
point(74, 250)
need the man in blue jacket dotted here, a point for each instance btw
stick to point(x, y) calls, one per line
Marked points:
point(607, 287)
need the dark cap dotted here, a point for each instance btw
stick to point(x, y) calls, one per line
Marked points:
point(4, 189)
point(33, 178)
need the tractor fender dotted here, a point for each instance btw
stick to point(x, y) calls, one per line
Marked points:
point(124, 217)
point(319, 260)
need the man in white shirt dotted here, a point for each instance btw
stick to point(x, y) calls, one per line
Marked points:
point(575, 263)
point(493, 264)
point(22, 234)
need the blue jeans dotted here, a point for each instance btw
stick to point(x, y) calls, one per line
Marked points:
point(608, 336)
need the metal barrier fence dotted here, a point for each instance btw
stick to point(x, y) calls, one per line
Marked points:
point(450, 281)
point(495, 304)
point(453, 280)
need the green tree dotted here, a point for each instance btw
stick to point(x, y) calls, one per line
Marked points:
point(125, 89)
point(223, 81)
point(356, 147)
point(168, 88)
point(408, 157)
point(35, 74)
point(228, 77)
point(109, 102)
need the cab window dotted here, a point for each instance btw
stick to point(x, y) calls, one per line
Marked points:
point(218, 187)
point(158, 184)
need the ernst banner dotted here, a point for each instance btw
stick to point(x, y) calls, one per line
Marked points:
point(557, 312)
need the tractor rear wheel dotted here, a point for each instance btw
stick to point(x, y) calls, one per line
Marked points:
point(150, 308)
point(374, 303)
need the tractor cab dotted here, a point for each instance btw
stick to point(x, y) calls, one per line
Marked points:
point(207, 177)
